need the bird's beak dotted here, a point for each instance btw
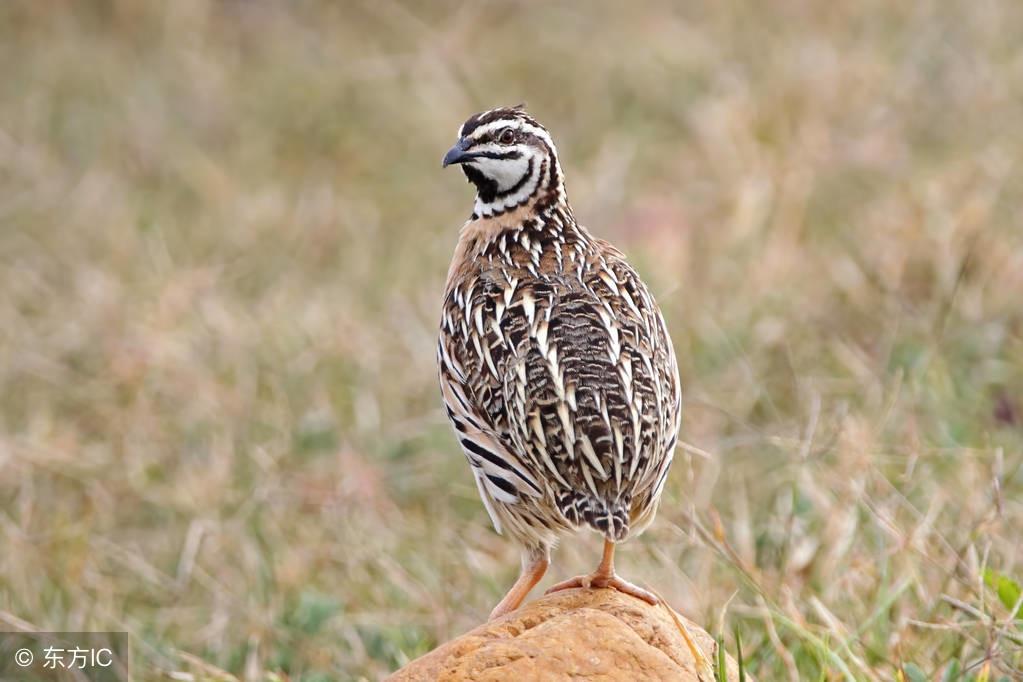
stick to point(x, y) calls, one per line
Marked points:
point(458, 154)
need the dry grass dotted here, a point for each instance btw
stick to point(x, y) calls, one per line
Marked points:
point(223, 233)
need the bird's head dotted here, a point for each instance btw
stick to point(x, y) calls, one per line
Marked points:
point(510, 158)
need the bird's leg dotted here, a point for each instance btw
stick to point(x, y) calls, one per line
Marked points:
point(534, 565)
point(605, 576)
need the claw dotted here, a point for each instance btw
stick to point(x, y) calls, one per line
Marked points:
point(600, 581)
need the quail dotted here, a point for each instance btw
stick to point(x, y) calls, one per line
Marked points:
point(556, 368)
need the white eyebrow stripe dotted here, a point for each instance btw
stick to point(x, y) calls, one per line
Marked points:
point(491, 127)
point(522, 125)
point(539, 132)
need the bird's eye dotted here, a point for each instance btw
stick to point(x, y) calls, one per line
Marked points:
point(507, 136)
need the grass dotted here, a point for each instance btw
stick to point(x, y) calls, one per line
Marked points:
point(223, 236)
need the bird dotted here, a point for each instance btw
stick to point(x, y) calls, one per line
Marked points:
point(556, 368)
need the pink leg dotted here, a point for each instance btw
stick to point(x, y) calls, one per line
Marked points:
point(605, 576)
point(534, 565)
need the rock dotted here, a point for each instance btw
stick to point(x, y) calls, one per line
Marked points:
point(571, 635)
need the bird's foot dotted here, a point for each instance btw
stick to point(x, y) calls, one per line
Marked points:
point(601, 581)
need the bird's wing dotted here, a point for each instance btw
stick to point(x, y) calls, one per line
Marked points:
point(594, 390)
point(473, 352)
point(561, 386)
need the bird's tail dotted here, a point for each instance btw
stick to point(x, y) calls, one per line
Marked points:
point(609, 517)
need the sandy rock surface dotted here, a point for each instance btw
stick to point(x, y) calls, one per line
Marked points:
point(571, 635)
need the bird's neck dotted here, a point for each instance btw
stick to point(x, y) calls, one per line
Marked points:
point(548, 238)
point(542, 203)
point(550, 214)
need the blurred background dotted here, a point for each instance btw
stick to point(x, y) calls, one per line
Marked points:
point(224, 231)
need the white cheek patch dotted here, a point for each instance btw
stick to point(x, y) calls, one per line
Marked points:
point(516, 182)
point(505, 172)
